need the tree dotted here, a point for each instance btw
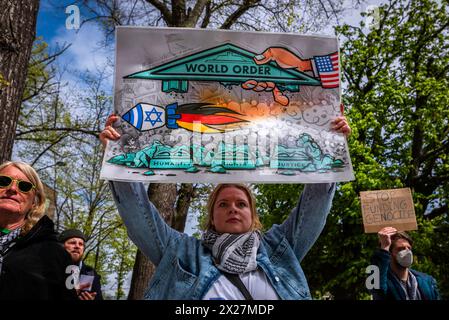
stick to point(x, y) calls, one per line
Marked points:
point(54, 131)
point(18, 25)
point(259, 15)
point(120, 259)
point(397, 76)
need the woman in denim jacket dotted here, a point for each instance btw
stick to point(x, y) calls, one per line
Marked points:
point(268, 265)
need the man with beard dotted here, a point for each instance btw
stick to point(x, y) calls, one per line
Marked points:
point(90, 286)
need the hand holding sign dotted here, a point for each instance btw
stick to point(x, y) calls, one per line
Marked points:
point(340, 124)
point(109, 133)
point(385, 237)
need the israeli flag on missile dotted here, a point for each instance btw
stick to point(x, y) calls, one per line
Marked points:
point(145, 116)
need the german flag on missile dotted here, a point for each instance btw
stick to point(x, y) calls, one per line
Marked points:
point(198, 117)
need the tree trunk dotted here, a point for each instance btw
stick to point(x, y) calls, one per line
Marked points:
point(163, 196)
point(142, 271)
point(185, 195)
point(18, 30)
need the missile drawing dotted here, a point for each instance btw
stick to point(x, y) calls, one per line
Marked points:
point(198, 117)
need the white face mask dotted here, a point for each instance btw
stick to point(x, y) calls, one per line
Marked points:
point(405, 258)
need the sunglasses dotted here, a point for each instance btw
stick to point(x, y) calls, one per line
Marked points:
point(24, 186)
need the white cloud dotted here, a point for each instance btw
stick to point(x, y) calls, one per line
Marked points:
point(85, 53)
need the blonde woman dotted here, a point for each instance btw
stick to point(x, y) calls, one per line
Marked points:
point(32, 262)
point(233, 260)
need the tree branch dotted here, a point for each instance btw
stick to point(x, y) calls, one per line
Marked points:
point(90, 132)
point(185, 195)
point(166, 14)
point(195, 14)
point(207, 15)
point(51, 58)
point(241, 10)
point(47, 148)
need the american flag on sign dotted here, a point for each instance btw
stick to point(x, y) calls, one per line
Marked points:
point(327, 68)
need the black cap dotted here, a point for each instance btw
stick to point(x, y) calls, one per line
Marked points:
point(71, 233)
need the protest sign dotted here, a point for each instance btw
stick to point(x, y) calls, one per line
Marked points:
point(388, 208)
point(226, 106)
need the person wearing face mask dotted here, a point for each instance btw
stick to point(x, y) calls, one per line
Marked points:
point(397, 280)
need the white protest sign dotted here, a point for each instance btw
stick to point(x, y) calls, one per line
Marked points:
point(225, 106)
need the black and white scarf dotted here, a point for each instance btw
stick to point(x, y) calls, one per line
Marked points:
point(410, 287)
point(412, 291)
point(7, 240)
point(233, 253)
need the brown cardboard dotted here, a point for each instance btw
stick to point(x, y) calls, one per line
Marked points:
point(388, 208)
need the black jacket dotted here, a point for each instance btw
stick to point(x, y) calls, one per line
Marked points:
point(35, 267)
point(96, 285)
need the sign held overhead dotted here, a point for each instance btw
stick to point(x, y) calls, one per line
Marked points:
point(388, 208)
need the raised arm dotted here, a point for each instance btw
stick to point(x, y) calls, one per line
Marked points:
point(382, 258)
point(307, 219)
point(145, 226)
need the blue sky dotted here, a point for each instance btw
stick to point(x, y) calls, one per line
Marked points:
point(50, 18)
point(85, 51)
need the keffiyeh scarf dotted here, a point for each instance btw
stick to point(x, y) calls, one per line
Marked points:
point(410, 287)
point(233, 253)
point(7, 240)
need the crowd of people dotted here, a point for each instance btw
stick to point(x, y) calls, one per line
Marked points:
point(33, 261)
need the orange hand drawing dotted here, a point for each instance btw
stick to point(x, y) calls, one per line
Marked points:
point(285, 59)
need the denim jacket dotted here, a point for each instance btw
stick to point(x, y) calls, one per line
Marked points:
point(185, 269)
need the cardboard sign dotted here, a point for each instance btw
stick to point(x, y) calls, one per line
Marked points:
point(219, 106)
point(388, 208)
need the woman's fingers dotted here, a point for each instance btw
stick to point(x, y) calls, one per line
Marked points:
point(340, 124)
point(111, 119)
point(109, 133)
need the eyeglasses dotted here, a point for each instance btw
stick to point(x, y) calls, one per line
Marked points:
point(24, 186)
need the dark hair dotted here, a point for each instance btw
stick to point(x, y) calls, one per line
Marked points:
point(400, 235)
point(71, 233)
